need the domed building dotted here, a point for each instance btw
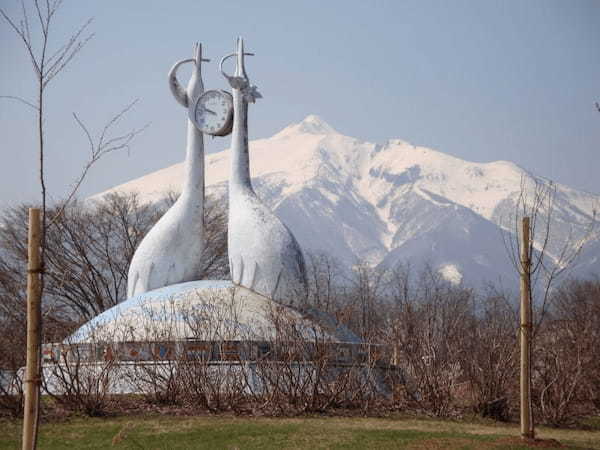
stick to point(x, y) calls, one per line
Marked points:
point(213, 319)
point(171, 323)
point(213, 323)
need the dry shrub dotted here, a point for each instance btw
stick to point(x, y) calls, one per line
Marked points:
point(78, 382)
point(428, 336)
point(490, 357)
point(304, 369)
point(213, 365)
point(566, 369)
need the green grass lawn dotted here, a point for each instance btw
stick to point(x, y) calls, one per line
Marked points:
point(157, 432)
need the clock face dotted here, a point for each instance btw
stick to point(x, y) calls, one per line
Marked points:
point(212, 113)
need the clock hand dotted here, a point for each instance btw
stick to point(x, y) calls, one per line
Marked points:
point(210, 111)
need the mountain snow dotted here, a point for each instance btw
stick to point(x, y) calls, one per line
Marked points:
point(392, 202)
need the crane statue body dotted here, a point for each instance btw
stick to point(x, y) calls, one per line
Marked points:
point(171, 252)
point(264, 256)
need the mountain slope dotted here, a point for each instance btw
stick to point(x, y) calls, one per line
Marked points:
point(390, 202)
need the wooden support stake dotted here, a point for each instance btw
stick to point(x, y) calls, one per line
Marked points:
point(33, 367)
point(527, 431)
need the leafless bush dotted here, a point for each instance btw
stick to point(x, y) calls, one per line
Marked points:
point(490, 356)
point(441, 350)
point(567, 355)
point(148, 355)
point(203, 371)
point(77, 381)
point(12, 351)
point(12, 341)
point(12, 358)
point(214, 363)
point(366, 292)
point(427, 330)
point(304, 369)
point(324, 274)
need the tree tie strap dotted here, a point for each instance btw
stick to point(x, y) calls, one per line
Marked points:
point(32, 380)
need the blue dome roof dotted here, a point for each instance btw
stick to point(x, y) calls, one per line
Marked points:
point(206, 310)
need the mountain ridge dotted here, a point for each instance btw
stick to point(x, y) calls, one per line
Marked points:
point(386, 202)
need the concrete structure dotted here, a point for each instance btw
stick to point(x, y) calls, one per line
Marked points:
point(171, 252)
point(206, 310)
point(171, 321)
point(264, 256)
point(214, 328)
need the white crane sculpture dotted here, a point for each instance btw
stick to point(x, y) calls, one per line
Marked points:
point(264, 256)
point(171, 252)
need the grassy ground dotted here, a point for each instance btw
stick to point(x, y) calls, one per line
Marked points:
point(298, 433)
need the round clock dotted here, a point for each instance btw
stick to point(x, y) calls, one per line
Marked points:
point(212, 113)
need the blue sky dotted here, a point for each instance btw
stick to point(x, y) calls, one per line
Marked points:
point(482, 80)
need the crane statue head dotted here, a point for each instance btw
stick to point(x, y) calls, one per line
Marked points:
point(186, 96)
point(240, 79)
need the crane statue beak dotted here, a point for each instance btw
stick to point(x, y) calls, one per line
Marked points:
point(249, 91)
point(240, 68)
point(240, 78)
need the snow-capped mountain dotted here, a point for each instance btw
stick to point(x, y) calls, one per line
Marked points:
point(391, 202)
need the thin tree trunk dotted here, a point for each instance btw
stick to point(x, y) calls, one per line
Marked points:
point(32, 371)
point(41, 156)
point(527, 431)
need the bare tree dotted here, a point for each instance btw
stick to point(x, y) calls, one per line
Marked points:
point(489, 355)
point(367, 287)
point(427, 328)
point(539, 266)
point(567, 351)
point(324, 275)
point(551, 255)
point(89, 248)
point(34, 29)
point(88, 253)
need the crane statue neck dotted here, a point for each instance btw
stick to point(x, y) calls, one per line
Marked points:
point(243, 93)
point(240, 162)
point(172, 251)
point(193, 166)
point(264, 256)
point(193, 176)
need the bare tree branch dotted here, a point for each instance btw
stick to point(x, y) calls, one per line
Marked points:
point(25, 22)
point(98, 150)
point(24, 36)
point(47, 68)
point(22, 100)
point(86, 132)
point(62, 57)
point(550, 259)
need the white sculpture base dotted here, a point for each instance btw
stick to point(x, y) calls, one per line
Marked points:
point(205, 310)
point(227, 329)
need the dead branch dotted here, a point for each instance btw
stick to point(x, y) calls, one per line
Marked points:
point(98, 149)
